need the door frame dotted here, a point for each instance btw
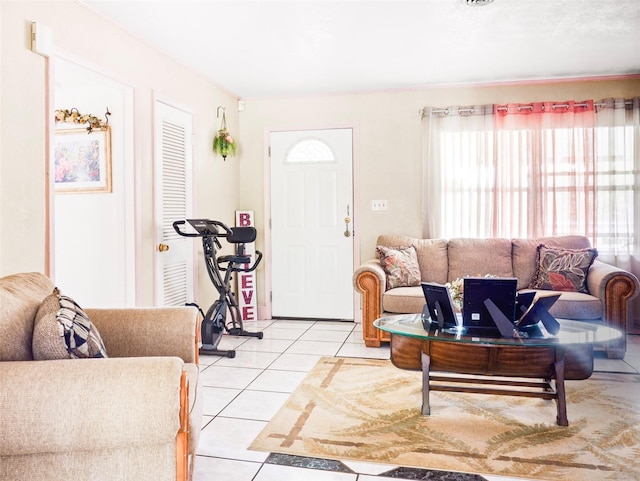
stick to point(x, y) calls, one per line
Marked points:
point(266, 311)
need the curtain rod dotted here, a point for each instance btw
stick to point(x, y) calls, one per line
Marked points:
point(470, 110)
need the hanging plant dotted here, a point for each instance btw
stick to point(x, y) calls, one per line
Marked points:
point(223, 143)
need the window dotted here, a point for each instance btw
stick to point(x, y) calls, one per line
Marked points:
point(310, 150)
point(617, 191)
point(536, 170)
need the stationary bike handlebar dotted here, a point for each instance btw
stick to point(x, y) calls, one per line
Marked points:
point(176, 227)
point(254, 266)
point(203, 227)
point(208, 228)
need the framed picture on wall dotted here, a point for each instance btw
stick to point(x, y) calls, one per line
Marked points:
point(82, 160)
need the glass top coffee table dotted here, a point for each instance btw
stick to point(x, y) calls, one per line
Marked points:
point(489, 365)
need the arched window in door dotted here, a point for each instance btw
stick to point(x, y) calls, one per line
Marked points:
point(310, 150)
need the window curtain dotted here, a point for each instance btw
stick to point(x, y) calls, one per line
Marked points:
point(618, 154)
point(516, 170)
point(535, 170)
point(545, 169)
point(618, 148)
point(458, 155)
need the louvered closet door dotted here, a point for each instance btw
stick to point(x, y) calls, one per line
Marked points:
point(173, 198)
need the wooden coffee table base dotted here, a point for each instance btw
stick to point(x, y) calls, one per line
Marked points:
point(540, 389)
point(487, 369)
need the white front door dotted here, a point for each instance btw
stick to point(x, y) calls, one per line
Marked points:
point(173, 201)
point(311, 224)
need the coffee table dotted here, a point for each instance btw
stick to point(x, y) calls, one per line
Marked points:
point(518, 366)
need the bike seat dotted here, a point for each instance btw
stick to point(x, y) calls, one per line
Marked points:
point(235, 259)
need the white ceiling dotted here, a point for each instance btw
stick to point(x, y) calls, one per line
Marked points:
point(271, 48)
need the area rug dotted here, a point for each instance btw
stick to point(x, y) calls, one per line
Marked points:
point(368, 410)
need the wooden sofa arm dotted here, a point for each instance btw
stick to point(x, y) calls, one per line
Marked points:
point(369, 280)
point(88, 415)
point(615, 287)
point(150, 331)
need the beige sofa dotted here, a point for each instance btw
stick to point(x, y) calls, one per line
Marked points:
point(441, 260)
point(134, 415)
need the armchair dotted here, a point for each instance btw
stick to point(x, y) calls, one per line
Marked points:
point(134, 415)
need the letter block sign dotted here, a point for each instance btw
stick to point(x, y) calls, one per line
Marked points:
point(247, 295)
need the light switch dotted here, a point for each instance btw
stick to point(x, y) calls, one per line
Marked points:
point(378, 205)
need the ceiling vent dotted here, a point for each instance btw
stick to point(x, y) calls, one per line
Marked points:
point(477, 3)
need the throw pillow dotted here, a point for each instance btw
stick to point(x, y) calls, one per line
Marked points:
point(561, 269)
point(62, 330)
point(400, 266)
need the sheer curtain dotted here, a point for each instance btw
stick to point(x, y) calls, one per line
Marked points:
point(533, 170)
point(618, 151)
point(545, 163)
point(618, 156)
point(458, 161)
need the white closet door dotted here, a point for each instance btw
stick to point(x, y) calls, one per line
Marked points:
point(173, 201)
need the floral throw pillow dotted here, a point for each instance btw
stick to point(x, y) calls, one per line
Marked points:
point(560, 269)
point(400, 265)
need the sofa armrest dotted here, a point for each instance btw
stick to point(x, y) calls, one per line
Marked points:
point(150, 331)
point(369, 279)
point(611, 284)
point(615, 287)
point(67, 406)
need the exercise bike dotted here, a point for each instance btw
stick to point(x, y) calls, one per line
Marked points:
point(214, 322)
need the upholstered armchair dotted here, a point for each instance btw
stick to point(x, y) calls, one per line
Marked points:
point(135, 414)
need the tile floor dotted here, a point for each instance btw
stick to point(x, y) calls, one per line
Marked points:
point(241, 395)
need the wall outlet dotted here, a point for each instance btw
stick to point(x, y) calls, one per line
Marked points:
point(378, 205)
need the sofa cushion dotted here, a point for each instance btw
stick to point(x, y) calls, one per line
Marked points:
point(525, 254)
point(20, 297)
point(479, 257)
point(400, 266)
point(432, 259)
point(395, 240)
point(432, 255)
point(575, 305)
point(403, 300)
point(63, 331)
point(563, 269)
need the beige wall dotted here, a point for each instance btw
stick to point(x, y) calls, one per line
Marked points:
point(87, 38)
point(387, 139)
point(387, 143)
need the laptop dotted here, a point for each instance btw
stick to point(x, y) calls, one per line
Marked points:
point(489, 306)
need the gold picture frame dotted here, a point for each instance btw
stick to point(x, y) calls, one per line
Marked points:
point(82, 160)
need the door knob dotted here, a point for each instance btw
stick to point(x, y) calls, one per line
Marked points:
point(163, 247)
point(347, 220)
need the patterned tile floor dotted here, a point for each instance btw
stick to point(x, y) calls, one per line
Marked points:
point(240, 396)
